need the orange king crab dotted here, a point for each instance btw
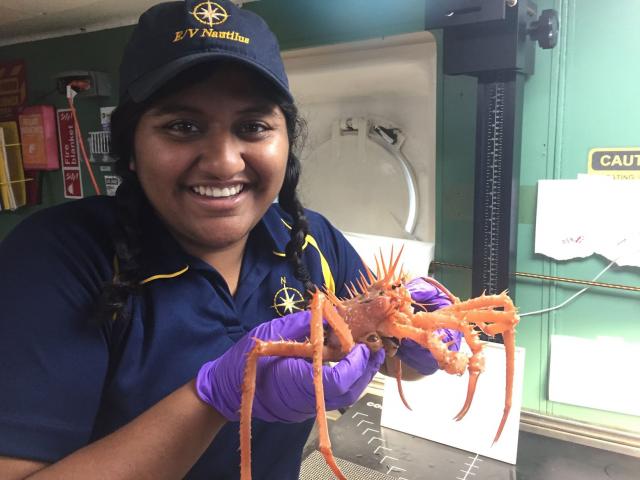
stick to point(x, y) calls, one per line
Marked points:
point(380, 313)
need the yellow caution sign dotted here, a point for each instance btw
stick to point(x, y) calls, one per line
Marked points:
point(619, 163)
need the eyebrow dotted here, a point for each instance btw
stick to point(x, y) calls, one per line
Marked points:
point(170, 108)
point(262, 108)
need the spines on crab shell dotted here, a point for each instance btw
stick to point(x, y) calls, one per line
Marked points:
point(335, 301)
point(389, 272)
point(383, 279)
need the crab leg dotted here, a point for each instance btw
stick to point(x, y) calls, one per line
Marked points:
point(317, 339)
point(398, 368)
point(482, 304)
point(453, 363)
point(509, 348)
point(260, 349)
point(312, 349)
point(337, 323)
point(476, 367)
point(423, 332)
point(501, 322)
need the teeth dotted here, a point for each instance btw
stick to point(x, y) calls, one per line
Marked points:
point(208, 191)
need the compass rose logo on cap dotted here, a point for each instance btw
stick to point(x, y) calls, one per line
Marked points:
point(209, 13)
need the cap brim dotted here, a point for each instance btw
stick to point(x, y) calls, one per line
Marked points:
point(142, 88)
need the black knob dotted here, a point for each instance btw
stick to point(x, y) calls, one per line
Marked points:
point(545, 29)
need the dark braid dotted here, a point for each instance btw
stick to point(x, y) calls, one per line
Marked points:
point(288, 197)
point(127, 243)
point(289, 201)
point(132, 203)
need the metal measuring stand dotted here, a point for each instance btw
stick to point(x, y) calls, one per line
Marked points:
point(494, 41)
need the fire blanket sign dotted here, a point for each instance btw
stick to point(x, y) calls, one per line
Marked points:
point(68, 140)
point(619, 163)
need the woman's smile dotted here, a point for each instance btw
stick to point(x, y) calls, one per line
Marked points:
point(217, 192)
point(218, 196)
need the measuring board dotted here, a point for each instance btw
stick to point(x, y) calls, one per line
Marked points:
point(496, 181)
point(361, 444)
point(366, 451)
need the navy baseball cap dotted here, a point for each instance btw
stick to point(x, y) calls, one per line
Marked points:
point(174, 36)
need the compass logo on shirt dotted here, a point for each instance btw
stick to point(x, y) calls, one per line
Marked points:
point(288, 299)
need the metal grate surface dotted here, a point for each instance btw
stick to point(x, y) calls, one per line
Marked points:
point(314, 467)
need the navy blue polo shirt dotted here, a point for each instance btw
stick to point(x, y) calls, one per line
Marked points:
point(65, 383)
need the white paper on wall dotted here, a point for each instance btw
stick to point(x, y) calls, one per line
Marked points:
point(579, 376)
point(592, 214)
point(437, 398)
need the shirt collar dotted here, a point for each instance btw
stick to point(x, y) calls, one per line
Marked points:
point(163, 257)
point(277, 225)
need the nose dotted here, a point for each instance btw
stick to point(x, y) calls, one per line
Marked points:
point(222, 155)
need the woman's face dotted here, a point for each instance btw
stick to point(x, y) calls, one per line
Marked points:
point(211, 159)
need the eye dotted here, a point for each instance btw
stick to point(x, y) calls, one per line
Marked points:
point(183, 128)
point(253, 128)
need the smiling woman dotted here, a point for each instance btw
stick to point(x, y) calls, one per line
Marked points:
point(131, 374)
point(211, 159)
point(148, 302)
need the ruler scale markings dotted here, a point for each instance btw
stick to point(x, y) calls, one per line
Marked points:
point(468, 471)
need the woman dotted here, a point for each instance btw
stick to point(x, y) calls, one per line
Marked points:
point(126, 358)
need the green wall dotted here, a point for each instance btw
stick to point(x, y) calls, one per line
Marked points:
point(582, 95)
point(587, 100)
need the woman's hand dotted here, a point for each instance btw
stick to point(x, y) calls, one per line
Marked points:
point(284, 385)
point(412, 354)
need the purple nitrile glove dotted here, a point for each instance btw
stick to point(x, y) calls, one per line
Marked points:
point(284, 385)
point(432, 298)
